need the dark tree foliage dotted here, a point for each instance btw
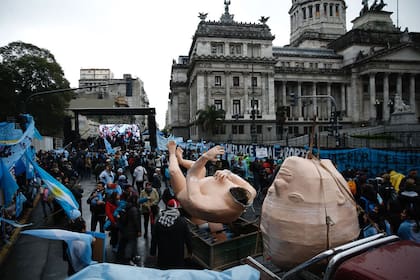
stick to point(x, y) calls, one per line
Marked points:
point(209, 119)
point(26, 70)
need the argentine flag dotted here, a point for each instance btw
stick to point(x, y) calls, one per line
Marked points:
point(108, 147)
point(62, 194)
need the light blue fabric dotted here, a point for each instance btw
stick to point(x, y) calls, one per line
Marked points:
point(406, 231)
point(62, 194)
point(7, 183)
point(115, 271)
point(108, 147)
point(79, 244)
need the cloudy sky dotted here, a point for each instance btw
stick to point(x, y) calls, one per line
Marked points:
point(142, 37)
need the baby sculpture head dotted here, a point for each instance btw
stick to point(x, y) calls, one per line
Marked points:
point(304, 195)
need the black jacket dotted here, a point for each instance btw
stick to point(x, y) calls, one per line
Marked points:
point(169, 242)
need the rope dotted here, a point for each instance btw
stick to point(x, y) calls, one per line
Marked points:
point(328, 220)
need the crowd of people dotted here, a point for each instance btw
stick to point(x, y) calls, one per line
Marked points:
point(130, 186)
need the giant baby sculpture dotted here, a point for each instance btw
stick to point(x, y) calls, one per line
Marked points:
point(308, 209)
point(221, 198)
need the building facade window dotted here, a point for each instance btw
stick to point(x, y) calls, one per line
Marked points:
point(236, 107)
point(218, 104)
point(218, 81)
point(238, 129)
point(235, 49)
point(337, 10)
point(254, 50)
point(310, 11)
point(317, 8)
point(304, 13)
point(331, 10)
point(259, 129)
point(255, 106)
point(236, 81)
point(219, 129)
point(254, 81)
point(217, 48)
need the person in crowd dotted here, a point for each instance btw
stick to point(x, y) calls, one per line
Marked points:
point(130, 230)
point(410, 227)
point(45, 199)
point(412, 178)
point(170, 235)
point(107, 176)
point(157, 180)
point(97, 200)
point(149, 208)
point(111, 205)
point(140, 176)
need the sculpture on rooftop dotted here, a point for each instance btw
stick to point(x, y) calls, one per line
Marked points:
point(263, 19)
point(226, 17)
point(374, 7)
point(202, 16)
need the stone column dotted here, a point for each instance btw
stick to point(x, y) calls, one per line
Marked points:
point(413, 92)
point(386, 107)
point(284, 93)
point(343, 100)
point(228, 101)
point(314, 101)
point(329, 107)
point(349, 108)
point(271, 95)
point(372, 97)
point(354, 100)
point(399, 85)
point(299, 101)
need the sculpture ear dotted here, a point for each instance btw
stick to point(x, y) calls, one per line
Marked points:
point(296, 197)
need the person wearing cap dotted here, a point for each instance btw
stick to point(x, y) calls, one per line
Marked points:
point(170, 234)
point(220, 198)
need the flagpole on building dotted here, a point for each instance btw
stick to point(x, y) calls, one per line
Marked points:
point(398, 14)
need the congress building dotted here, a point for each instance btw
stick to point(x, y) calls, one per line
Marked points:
point(327, 80)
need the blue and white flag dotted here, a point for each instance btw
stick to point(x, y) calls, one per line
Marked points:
point(14, 223)
point(20, 199)
point(7, 183)
point(62, 194)
point(108, 147)
point(79, 244)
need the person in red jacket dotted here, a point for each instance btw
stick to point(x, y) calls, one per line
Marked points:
point(110, 207)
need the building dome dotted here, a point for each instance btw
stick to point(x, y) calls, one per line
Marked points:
point(316, 23)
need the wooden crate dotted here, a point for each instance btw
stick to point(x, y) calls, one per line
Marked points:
point(246, 241)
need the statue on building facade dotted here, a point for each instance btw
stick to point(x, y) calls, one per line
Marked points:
point(377, 7)
point(365, 9)
point(399, 105)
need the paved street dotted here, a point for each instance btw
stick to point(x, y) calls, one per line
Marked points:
point(37, 258)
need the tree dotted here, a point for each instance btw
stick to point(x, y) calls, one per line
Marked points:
point(210, 119)
point(26, 69)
